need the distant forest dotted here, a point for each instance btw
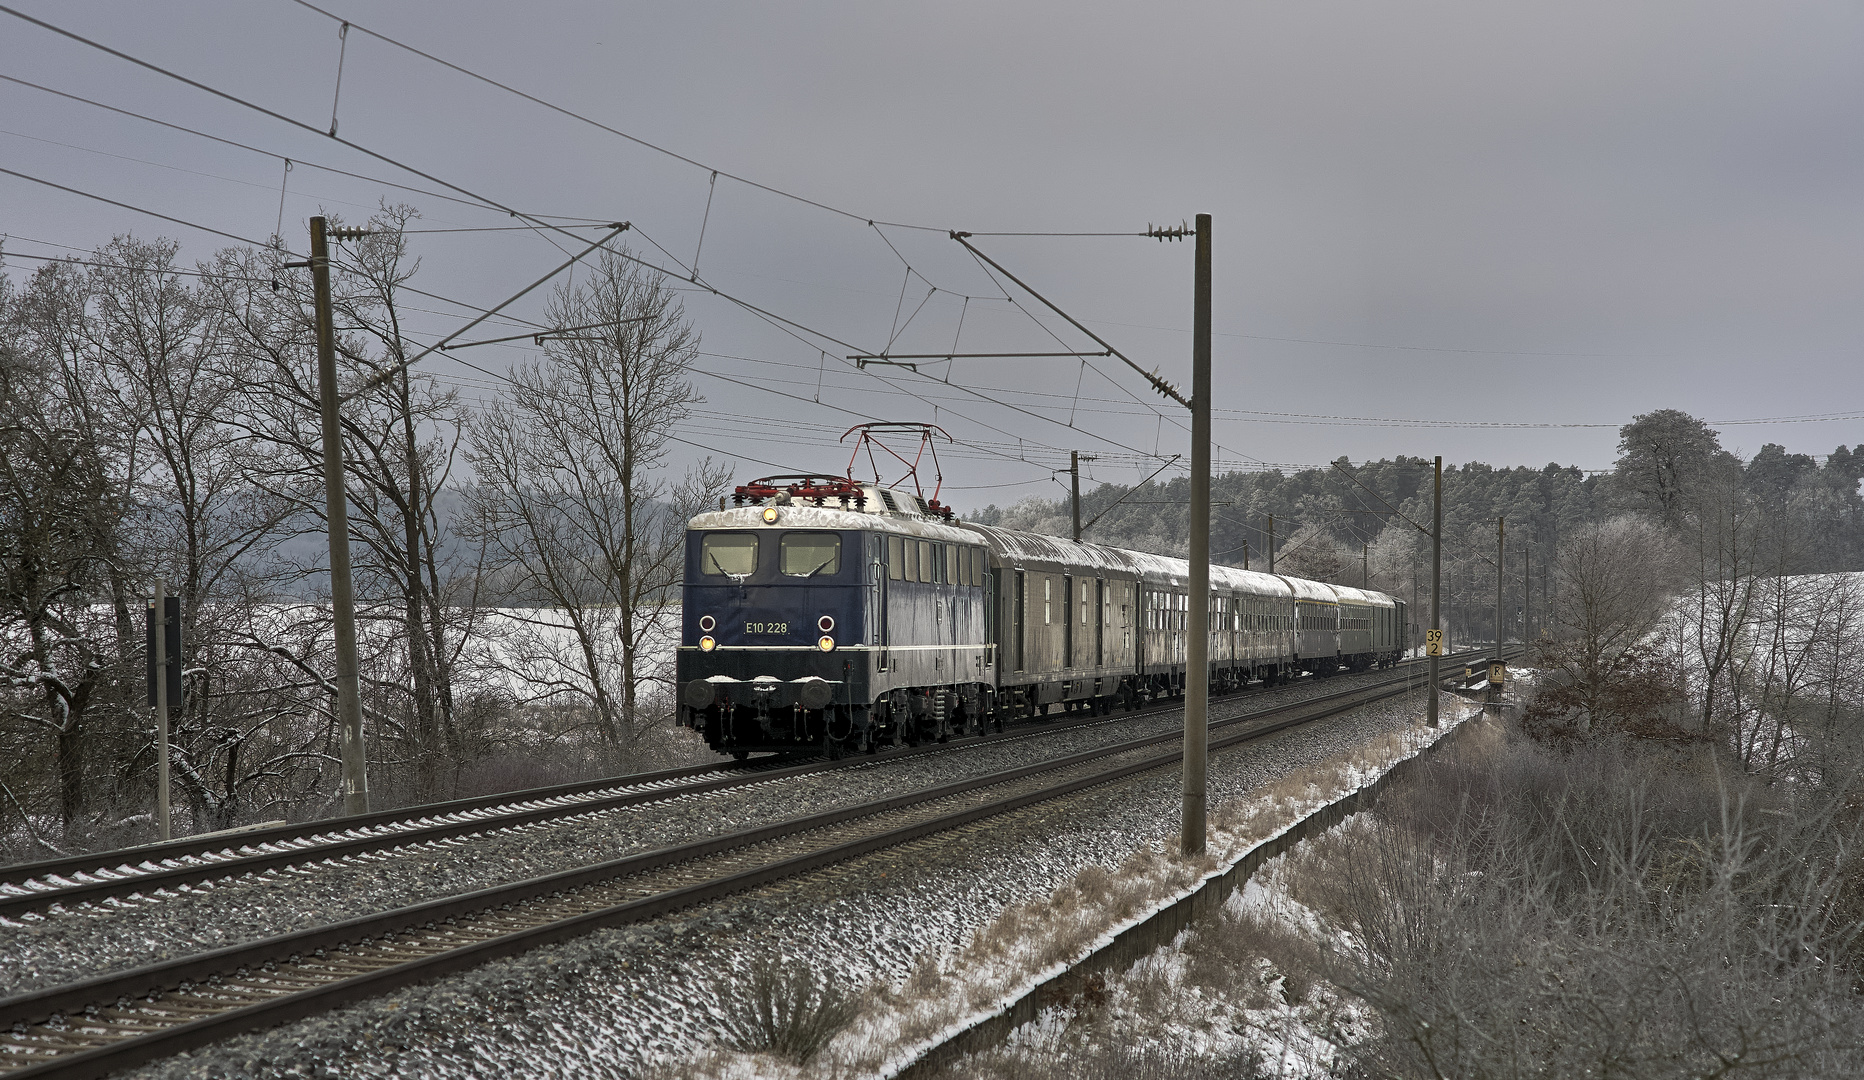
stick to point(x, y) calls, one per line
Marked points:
point(1329, 527)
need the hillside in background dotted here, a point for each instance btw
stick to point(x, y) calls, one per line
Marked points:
point(1337, 524)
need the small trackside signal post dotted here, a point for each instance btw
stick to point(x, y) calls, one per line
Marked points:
point(164, 664)
point(1433, 638)
point(1197, 655)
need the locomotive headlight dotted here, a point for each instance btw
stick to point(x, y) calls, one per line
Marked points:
point(825, 643)
point(770, 515)
point(706, 623)
point(706, 644)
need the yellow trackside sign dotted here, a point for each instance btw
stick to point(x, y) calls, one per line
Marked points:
point(1433, 643)
point(1497, 672)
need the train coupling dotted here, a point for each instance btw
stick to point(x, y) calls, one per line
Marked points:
point(767, 691)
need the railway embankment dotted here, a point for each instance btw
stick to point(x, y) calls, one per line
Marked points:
point(616, 1001)
point(155, 907)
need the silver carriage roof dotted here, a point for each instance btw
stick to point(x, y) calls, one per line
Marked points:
point(1016, 548)
point(1368, 597)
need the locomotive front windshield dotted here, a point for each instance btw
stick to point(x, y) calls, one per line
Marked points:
point(728, 554)
point(806, 554)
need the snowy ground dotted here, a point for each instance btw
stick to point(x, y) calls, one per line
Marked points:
point(1222, 993)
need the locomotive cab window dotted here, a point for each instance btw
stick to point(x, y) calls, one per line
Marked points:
point(806, 554)
point(896, 558)
point(728, 554)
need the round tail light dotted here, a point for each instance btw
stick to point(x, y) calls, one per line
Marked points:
point(707, 623)
point(825, 623)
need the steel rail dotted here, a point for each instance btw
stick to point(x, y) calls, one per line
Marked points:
point(33, 887)
point(104, 1013)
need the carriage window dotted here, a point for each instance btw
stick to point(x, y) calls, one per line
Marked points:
point(806, 554)
point(729, 554)
point(896, 558)
point(1048, 601)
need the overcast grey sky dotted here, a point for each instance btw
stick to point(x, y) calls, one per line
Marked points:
point(1556, 215)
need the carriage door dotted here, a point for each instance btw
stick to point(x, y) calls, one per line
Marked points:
point(1100, 622)
point(896, 569)
point(1067, 620)
point(1019, 606)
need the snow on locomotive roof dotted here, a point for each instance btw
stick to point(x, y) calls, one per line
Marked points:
point(798, 516)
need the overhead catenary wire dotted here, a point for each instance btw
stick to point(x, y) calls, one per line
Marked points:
point(487, 200)
point(274, 155)
point(760, 311)
point(803, 329)
point(637, 140)
point(262, 110)
point(1847, 415)
point(135, 209)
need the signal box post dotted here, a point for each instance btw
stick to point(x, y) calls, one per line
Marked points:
point(163, 651)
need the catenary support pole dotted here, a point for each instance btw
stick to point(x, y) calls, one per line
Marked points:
point(336, 503)
point(1074, 488)
point(158, 617)
point(1527, 600)
point(1501, 565)
point(1436, 580)
point(1501, 569)
point(1271, 543)
point(1197, 662)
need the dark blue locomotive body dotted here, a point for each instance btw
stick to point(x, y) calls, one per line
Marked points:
point(807, 626)
point(880, 622)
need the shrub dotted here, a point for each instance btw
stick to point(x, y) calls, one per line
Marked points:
point(784, 1007)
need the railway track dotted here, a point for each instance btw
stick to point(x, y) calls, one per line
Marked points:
point(29, 889)
point(108, 1023)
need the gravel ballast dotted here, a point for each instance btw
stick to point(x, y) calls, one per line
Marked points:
point(612, 1003)
point(93, 940)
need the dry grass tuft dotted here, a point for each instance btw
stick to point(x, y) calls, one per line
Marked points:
point(785, 1008)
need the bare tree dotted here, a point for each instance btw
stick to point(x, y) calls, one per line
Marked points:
point(415, 589)
point(573, 495)
point(61, 501)
point(163, 360)
point(1614, 582)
